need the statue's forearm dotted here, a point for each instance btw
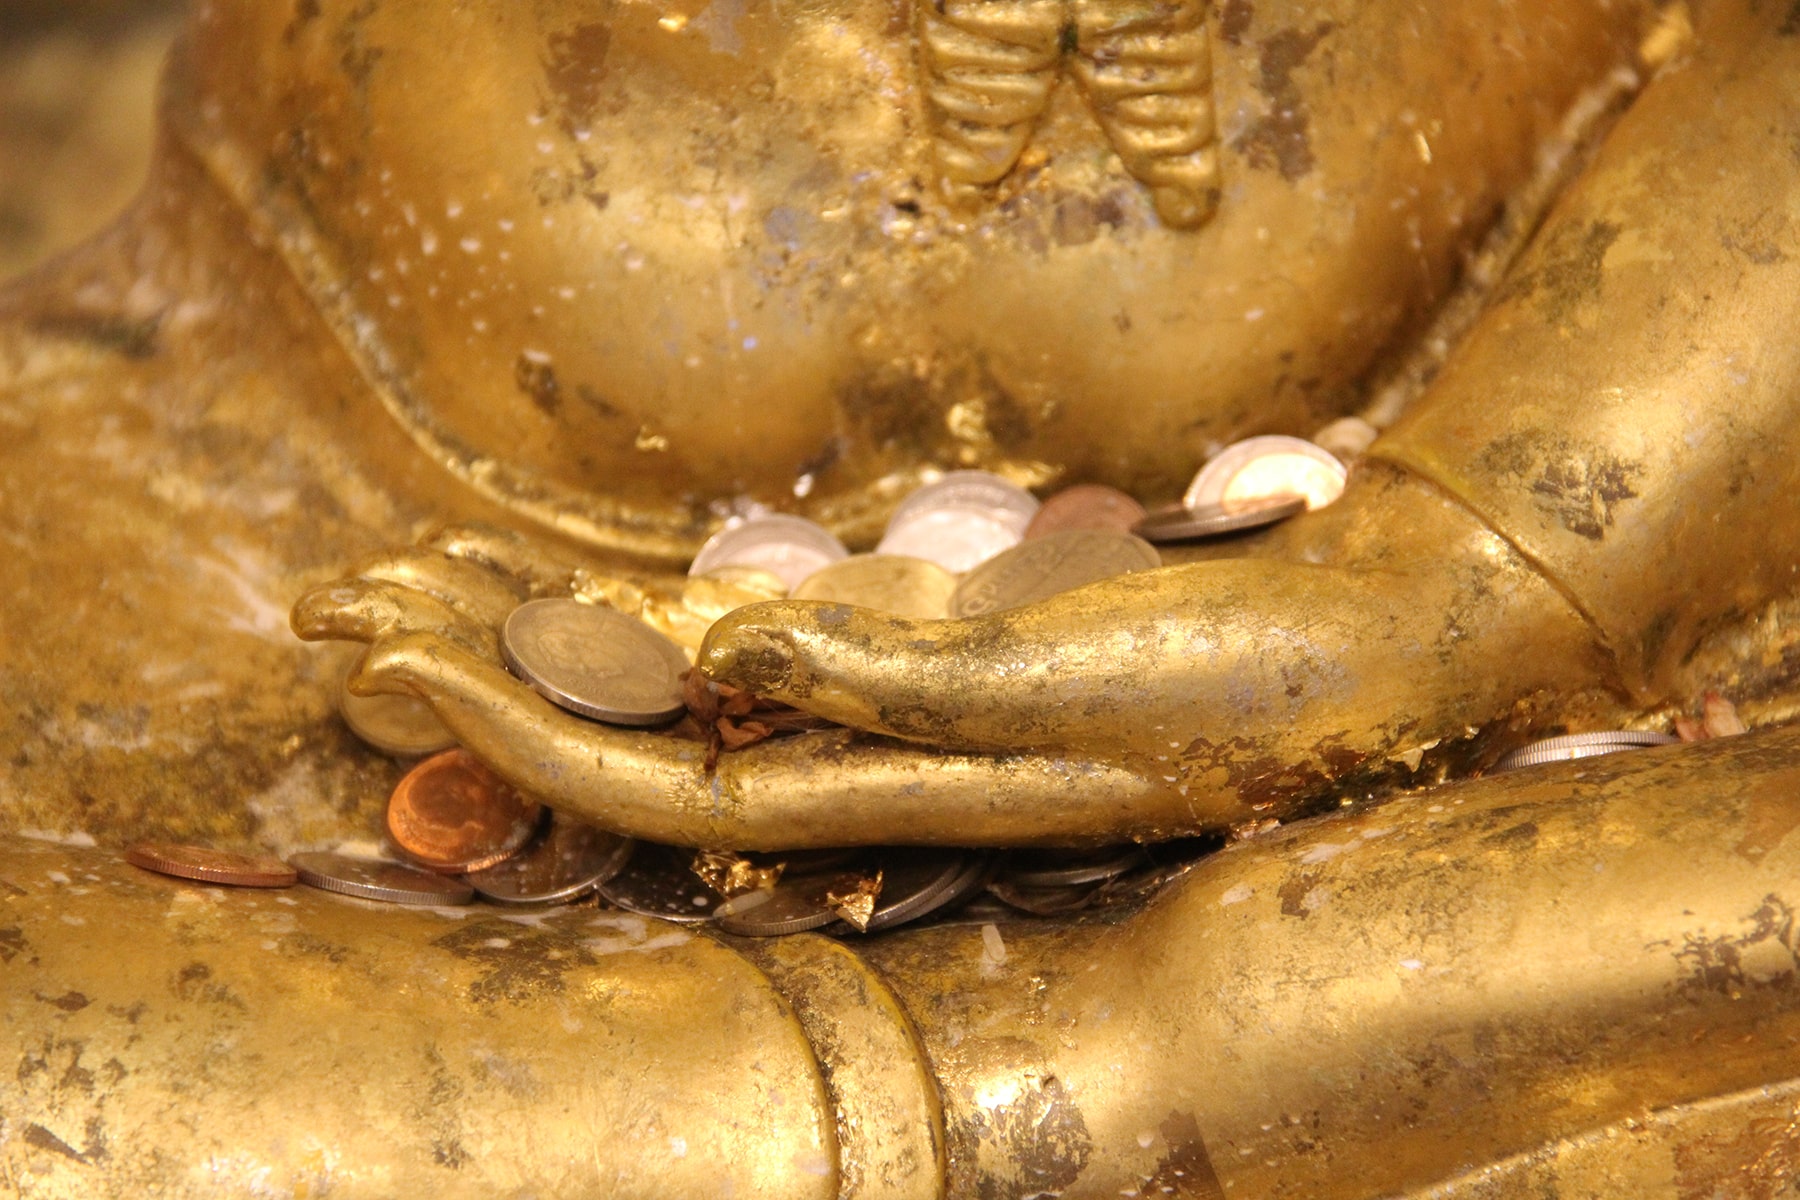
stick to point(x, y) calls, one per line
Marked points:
point(1354, 1007)
point(1625, 413)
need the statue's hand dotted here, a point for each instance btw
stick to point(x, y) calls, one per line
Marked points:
point(1345, 646)
point(1147, 706)
point(432, 615)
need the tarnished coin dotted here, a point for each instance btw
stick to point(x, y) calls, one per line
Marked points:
point(568, 862)
point(790, 548)
point(1044, 901)
point(211, 866)
point(916, 882)
point(793, 906)
point(658, 882)
point(1086, 506)
point(1062, 868)
point(795, 863)
point(1572, 746)
point(403, 726)
point(596, 661)
point(1272, 465)
point(1049, 566)
point(452, 814)
point(373, 879)
point(891, 583)
point(957, 539)
point(1178, 523)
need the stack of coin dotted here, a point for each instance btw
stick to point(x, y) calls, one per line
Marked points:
point(1572, 746)
point(1055, 883)
point(908, 884)
point(597, 662)
point(1046, 566)
point(960, 521)
point(1179, 523)
point(1260, 467)
point(837, 892)
point(790, 548)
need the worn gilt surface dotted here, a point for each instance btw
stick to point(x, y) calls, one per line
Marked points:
point(430, 307)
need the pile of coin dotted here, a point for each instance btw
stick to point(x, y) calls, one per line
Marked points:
point(458, 832)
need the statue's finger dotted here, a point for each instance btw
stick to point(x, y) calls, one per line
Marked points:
point(366, 610)
point(834, 788)
point(543, 569)
point(472, 589)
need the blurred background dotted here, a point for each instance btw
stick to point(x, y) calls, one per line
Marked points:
point(77, 98)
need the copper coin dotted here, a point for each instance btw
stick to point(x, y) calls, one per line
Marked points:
point(211, 866)
point(452, 814)
point(1086, 506)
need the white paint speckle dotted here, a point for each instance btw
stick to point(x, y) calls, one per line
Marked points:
point(1237, 894)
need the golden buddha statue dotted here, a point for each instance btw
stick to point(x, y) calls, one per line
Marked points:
point(431, 308)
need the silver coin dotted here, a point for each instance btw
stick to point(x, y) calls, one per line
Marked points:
point(790, 548)
point(373, 879)
point(658, 882)
point(1179, 523)
point(1044, 901)
point(915, 882)
point(1052, 869)
point(1048, 566)
point(792, 906)
point(596, 661)
point(957, 538)
point(1572, 746)
point(569, 861)
point(979, 490)
point(1271, 465)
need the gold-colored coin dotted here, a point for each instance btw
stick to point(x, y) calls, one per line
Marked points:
point(892, 583)
point(1046, 566)
point(403, 726)
point(596, 662)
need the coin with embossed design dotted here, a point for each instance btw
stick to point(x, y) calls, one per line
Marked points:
point(891, 583)
point(1047, 566)
point(595, 661)
point(451, 814)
